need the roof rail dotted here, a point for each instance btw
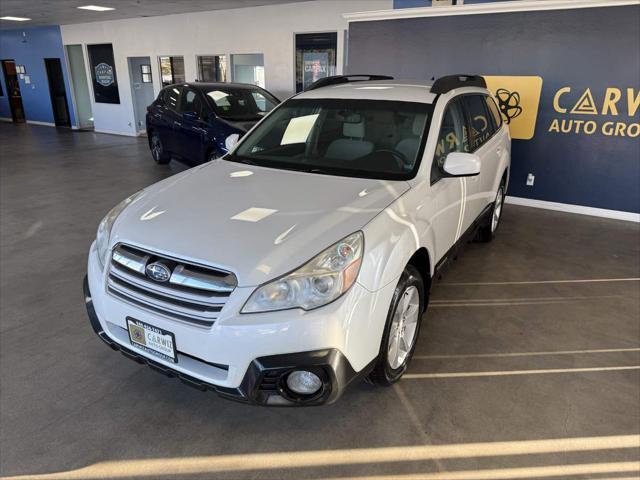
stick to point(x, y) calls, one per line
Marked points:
point(337, 79)
point(445, 84)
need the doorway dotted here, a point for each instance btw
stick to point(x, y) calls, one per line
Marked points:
point(13, 90)
point(57, 92)
point(141, 89)
point(80, 87)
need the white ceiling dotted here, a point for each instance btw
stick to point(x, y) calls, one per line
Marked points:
point(64, 12)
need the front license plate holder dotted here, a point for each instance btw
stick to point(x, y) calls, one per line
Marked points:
point(152, 340)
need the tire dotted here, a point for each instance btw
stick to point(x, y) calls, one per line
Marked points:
point(158, 152)
point(410, 297)
point(488, 231)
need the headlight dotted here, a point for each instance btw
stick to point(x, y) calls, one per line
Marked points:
point(104, 229)
point(318, 282)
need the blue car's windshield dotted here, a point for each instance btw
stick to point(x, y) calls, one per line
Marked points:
point(240, 103)
point(361, 138)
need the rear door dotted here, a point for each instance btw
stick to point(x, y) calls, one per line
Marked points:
point(192, 129)
point(165, 115)
point(484, 142)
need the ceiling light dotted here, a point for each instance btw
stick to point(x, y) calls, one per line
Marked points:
point(96, 8)
point(15, 19)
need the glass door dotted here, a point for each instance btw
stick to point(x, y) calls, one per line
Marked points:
point(315, 57)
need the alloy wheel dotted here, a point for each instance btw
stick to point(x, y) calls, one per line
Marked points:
point(403, 327)
point(497, 210)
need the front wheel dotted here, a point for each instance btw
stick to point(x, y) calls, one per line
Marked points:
point(487, 232)
point(158, 152)
point(401, 331)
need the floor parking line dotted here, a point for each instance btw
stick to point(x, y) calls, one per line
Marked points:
point(526, 354)
point(513, 473)
point(499, 373)
point(154, 467)
point(533, 282)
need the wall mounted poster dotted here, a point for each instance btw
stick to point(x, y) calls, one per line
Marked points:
point(316, 66)
point(103, 73)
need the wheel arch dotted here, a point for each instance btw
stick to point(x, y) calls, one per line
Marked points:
point(421, 260)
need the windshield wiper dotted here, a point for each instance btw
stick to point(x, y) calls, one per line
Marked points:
point(235, 158)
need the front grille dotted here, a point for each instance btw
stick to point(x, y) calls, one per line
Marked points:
point(190, 292)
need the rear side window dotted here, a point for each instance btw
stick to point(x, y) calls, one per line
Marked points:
point(171, 98)
point(493, 108)
point(452, 138)
point(480, 118)
point(191, 102)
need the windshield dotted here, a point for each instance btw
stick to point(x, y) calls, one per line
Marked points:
point(362, 138)
point(241, 103)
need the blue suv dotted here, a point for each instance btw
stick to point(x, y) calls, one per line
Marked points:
point(192, 121)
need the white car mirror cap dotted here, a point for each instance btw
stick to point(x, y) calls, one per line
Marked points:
point(231, 141)
point(460, 164)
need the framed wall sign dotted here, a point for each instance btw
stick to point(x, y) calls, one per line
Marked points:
point(103, 73)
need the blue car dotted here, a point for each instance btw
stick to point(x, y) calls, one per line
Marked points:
point(192, 121)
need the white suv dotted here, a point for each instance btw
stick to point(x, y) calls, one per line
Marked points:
point(303, 259)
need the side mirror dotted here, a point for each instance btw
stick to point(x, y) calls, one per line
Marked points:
point(460, 164)
point(231, 141)
point(193, 116)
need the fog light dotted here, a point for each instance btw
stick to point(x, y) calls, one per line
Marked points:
point(303, 382)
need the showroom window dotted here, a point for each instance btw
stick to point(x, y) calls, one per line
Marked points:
point(453, 138)
point(212, 68)
point(482, 125)
point(315, 57)
point(171, 70)
point(248, 68)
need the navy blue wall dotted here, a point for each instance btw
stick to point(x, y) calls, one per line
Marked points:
point(29, 47)
point(590, 48)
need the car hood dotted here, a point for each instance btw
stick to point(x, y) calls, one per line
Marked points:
point(257, 222)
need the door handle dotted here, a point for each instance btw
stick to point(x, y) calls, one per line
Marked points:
point(176, 123)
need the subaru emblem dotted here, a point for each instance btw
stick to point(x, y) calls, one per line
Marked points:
point(158, 271)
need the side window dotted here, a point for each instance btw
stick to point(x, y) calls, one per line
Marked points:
point(481, 120)
point(495, 112)
point(171, 97)
point(452, 138)
point(191, 102)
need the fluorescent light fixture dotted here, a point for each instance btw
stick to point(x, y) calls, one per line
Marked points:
point(96, 8)
point(16, 19)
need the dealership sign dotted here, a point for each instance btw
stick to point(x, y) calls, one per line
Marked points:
point(581, 113)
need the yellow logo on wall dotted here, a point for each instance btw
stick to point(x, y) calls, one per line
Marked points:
point(518, 99)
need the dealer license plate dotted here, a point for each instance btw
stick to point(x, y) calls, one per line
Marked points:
point(153, 340)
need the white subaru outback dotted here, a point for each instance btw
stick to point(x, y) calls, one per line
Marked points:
point(303, 259)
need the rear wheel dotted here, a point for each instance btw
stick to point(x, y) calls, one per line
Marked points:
point(401, 331)
point(487, 232)
point(158, 152)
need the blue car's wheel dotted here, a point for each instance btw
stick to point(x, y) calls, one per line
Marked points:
point(158, 152)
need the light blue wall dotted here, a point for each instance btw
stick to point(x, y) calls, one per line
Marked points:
point(29, 47)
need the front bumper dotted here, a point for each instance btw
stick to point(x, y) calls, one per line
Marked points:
point(263, 382)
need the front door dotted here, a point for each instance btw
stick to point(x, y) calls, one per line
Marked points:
point(57, 92)
point(487, 146)
point(449, 193)
point(13, 90)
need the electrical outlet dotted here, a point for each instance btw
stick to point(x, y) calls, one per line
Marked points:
point(530, 179)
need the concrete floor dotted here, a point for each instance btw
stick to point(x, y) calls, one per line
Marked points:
point(483, 371)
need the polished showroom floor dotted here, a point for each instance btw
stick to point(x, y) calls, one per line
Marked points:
point(527, 365)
